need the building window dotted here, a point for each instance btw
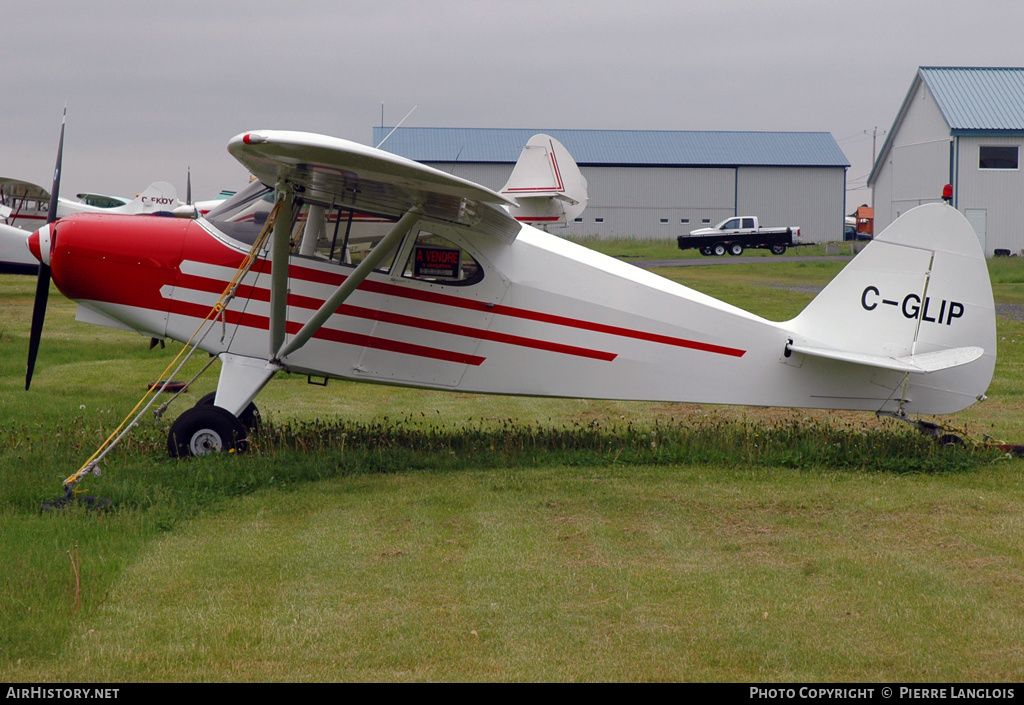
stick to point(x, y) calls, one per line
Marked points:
point(664, 221)
point(998, 157)
point(705, 221)
point(684, 221)
point(598, 220)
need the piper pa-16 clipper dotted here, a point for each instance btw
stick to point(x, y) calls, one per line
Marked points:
point(463, 294)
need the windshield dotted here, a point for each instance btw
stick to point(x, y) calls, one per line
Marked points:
point(243, 216)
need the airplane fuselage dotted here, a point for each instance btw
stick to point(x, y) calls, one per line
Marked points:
point(547, 318)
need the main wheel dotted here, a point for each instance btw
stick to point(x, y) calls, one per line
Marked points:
point(736, 249)
point(206, 429)
point(250, 416)
point(778, 249)
point(718, 249)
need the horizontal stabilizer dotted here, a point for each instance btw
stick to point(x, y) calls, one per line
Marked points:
point(922, 364)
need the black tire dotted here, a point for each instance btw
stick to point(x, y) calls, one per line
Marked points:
point(736, 249)
point(778, 249)
point(950, 440)
point(206, 429)
point(706, 251)
point(250, 416)
point(719, 249)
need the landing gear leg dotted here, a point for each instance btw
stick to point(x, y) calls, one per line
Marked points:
point(250, 416)
point(225, 426)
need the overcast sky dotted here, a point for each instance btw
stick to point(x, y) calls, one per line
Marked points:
point(155, 88)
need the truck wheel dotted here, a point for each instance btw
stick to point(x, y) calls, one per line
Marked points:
point(706, 251)
point(778, 249)
point(718, 249)
point(736, 249)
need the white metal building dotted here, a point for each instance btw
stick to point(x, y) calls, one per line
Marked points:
point(964, 127)
point(661, 184)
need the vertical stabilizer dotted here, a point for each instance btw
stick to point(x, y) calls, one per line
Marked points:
point(160, 196)
point(918, 296)
point(547, 184)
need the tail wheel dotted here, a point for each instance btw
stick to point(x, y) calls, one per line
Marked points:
point(778, 249)
point(206, 429)
point(950, 440)
point(719, 249)
point(250, 416)
point(736, 249)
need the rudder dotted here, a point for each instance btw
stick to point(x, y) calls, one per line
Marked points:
point(919, 292)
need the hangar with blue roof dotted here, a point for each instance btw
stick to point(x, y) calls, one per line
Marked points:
point(963, 126)
point(656, 183)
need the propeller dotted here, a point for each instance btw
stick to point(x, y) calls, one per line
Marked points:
point(43, 280)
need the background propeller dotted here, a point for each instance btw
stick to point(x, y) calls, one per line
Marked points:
point(43, 280)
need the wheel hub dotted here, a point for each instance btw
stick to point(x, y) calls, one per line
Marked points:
point(205, 441)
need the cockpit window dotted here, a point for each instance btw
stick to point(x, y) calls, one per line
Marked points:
point(344, 237)
point(243, 216)
point(100, 201)
point(339, 235)
point(439, 260)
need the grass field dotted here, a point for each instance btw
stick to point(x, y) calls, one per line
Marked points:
point(388, 534)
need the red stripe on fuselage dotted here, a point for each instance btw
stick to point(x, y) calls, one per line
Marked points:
point(197, 283)
point(321, 277)
point(250, 320)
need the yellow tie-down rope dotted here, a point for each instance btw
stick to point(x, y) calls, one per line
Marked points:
point(91, 466)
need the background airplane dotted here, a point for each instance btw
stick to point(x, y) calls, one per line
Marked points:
point(24, 205)
point(15, 257)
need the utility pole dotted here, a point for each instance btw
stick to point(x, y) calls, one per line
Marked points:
point(874, 143)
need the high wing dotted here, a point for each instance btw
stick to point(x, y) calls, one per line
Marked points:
point(338, 172)
point(16, 188)
point(20, 205)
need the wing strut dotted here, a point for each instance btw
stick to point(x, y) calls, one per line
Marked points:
point(351, 283)
point(280, 246)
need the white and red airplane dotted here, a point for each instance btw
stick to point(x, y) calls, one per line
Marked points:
point(25, 205)
point(460, 295)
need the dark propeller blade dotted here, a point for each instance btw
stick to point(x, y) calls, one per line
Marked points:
point(43, 281)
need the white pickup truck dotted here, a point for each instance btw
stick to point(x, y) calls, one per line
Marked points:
point(733, 235)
